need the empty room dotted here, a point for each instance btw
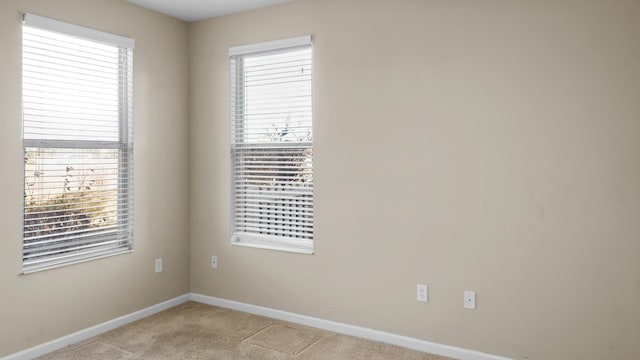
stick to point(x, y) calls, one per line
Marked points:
point(320, 179)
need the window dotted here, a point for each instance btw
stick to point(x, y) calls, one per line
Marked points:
point(78, 143)
point(272, 145)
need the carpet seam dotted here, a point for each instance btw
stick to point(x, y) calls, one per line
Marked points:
point(257, 332)
point(308, 346)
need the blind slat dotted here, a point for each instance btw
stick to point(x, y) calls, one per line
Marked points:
point(277, 214)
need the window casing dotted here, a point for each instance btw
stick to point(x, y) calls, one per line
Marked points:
point(78, 143)
point(272, 145)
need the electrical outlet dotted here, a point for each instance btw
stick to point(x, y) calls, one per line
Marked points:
point(159, 265)
point(423, 293)
point(214, 262)
point(470, 300)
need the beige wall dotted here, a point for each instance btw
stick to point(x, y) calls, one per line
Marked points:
point(40, 307)
point(470, 145)
point(482, 145)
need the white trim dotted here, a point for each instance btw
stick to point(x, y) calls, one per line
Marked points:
point(270, 45)
point(347, 329)
point(340, 328)
point(33, 270)
point(92, 331)
point(44, 23)
point(268, 242)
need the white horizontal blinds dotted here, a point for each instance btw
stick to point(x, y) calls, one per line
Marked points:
point(271, 137)
point(77, 136)
point(70, 87)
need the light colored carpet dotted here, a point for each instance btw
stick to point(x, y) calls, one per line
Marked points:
point(197, 331)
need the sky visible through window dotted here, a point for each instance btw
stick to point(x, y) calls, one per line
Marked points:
point(70, 88)
point(278, 97)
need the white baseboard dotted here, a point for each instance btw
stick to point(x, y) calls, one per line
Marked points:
point(59, 343)
point(352, 330)
point(340, 328)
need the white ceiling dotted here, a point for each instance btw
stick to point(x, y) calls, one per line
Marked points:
point(195, 10)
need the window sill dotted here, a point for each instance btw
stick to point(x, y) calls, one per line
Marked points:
point(273, 243)
point(35, 269)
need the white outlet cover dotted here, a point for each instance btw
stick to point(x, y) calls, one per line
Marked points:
point(470, 300)
point(422, 293)
point(159, 265)
point(214, 262)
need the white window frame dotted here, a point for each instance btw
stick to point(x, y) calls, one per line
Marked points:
point(124, 233)
point(293, 244)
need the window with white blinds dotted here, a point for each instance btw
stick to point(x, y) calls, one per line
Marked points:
point(78, 143)
point(272, 145)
